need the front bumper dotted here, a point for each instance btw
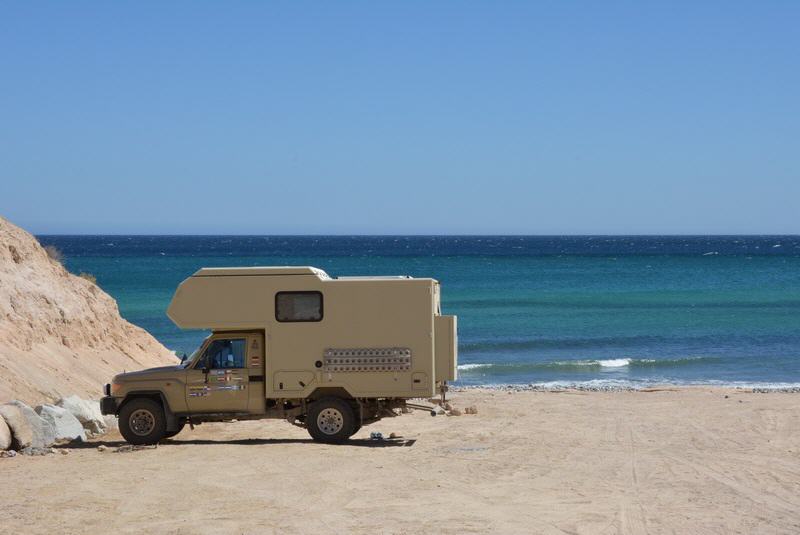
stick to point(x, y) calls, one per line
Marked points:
point(108, 405)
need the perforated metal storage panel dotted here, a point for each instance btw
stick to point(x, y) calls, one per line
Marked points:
point(368, 359)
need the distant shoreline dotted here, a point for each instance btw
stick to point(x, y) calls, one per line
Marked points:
point(577, 387)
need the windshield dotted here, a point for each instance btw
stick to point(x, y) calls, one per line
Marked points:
point(191, 358)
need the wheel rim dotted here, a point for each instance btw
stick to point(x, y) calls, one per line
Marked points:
point(142, 422)
point(330, 421)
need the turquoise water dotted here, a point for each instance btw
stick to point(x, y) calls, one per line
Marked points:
point(563, 310)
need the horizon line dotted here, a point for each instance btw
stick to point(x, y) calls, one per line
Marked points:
point(420, 235)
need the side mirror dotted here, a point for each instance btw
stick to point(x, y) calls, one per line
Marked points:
point(184, 357)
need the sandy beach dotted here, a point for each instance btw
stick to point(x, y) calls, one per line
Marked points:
point(694, 460)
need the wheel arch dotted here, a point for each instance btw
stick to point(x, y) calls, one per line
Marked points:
point(329, 392)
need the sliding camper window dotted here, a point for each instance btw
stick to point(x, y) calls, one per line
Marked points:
point(298, 306)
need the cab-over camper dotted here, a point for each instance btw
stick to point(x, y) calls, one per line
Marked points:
point(329, 354)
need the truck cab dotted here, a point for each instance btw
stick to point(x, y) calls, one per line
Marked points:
point(293, 343)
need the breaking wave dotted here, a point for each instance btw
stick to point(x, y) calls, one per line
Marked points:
point(628, 384)
point(584, 365)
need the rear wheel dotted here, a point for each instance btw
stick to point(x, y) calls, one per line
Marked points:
point(141, 421)
point(331, 420)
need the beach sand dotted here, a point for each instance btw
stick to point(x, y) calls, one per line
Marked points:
point(676, 461)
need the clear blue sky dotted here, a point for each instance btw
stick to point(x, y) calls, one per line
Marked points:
point(400, 117)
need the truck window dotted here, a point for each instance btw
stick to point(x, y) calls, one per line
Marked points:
point(298, 306)
point(227, 353)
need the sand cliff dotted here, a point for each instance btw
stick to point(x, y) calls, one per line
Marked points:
point(60, 334)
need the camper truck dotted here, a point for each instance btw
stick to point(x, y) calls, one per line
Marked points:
point(327, 354)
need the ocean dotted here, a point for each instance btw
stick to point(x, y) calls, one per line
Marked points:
point(551, 311)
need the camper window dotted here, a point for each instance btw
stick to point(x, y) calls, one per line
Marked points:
point(298, 306)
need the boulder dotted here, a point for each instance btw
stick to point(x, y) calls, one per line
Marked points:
point(86, 411)
point(66, 426)
point(5, 435)
point(112, 424)
point(27, 427)
point(21, 432)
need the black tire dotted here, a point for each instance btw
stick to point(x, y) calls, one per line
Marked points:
point(331, 420)
point(170, 434)
point(141, 421)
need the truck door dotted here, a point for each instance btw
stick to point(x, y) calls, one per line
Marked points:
point(218, 381)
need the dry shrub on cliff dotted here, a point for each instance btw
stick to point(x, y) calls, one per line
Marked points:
point(54, 253)
point(88, 276)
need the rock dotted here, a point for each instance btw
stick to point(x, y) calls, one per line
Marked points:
point(5, 435)
point(10, 453)
point(112, 424)
point(472, 409)
point(87, 412)
point(27, 427)
point(21, 432)
point(102, 447)
point(64, 452)
point(36, 452)
point(129, 448)
point(392, 435)
point(454, 412)
point(66, 425)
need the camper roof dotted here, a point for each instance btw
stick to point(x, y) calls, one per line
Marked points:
point(281, 270)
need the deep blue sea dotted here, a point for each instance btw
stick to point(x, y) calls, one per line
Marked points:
point(532, 309)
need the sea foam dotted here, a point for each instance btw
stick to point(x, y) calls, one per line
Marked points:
point(613, 363)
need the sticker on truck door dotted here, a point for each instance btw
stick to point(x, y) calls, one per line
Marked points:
point(255, 354)
point(199, 391)
point(230, 387)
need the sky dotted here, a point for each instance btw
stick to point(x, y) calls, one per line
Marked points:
point(404, 117)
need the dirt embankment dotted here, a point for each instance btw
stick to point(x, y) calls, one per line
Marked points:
point(60, 334)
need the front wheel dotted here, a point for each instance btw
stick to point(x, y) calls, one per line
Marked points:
point(331, 420)
point(141, 421)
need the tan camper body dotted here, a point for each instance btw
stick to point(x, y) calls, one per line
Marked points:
point(328, 354)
